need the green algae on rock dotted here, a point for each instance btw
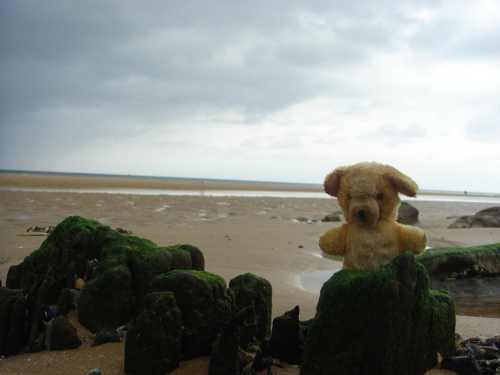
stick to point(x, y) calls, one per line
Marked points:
point(153, 344)
point(385, 321)
point(441, 262)
point(252, 290)
point(206, 303)
point(115, 292)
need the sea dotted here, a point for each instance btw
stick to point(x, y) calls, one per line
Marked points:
point(424, 195)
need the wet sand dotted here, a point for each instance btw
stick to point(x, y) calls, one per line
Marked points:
point(236, 234)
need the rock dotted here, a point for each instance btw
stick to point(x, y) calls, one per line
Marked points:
point(487, 218)
point(8, 298)
point(284, 343)
point(96, 371)
point(252, 290)
point(205, 303)
point(469, 288)
point(153, 344)
point(105, 336)
point(407, 214)
point(464, 365)
point(63, 335)
point(440, 263)
point(331, 218)
point(224, 358)
point(381, 322)
point(17, 333)
point(118, 270)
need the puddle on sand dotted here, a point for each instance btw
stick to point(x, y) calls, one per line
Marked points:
point(314, 280)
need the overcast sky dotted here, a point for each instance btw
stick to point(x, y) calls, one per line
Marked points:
point(253, 90)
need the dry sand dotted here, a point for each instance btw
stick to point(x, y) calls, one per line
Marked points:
point(236, 234)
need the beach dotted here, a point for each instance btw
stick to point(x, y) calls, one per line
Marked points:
point(273, 237)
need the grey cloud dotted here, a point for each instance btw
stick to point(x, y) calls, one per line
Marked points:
point(153, 58)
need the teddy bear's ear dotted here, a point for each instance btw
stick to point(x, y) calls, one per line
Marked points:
point(401, 182)
point(332, 182)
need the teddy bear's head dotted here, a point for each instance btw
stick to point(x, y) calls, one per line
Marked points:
point(368, 192)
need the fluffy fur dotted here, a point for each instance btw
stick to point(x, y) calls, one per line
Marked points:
point(368, 196)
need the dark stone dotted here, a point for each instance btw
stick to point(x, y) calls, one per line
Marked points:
point(105, 336)
point(441, 262)
point(153, 344)
point(487, 218)
point(206, 304)
point(331, 218)
point(469, 288)
point(8, 298)
point(224, 360)
point(64, 304)
point(13, 277)
point(107, 300)
point(118, 269)
point(284, 343)
point(252, 290)
point(465, 365)
point(63, 335)
point(392, 310)
point(16, 340)
point(35, 342)
point(407, 214)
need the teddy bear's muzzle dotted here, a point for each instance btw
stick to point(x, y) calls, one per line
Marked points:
point(364, 215)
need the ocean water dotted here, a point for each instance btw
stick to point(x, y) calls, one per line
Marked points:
point(424, 195)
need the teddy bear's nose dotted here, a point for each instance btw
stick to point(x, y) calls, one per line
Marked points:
point(362, 214)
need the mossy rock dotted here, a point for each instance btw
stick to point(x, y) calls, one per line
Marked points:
point(442, 261)
point(206, 304)
point(8, 298)
point(252, 290)
point(284, 343)
point(381, 322)
point(407, 214)
point(153, 344)
point(116, 291)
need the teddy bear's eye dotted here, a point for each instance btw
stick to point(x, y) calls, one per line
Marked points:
point(380, 196)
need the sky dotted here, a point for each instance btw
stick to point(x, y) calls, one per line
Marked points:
point(255, 90)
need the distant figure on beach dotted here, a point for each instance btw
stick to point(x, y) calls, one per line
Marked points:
point(465, 192)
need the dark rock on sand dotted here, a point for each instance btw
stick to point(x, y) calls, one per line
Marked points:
point(440, 263)
point(122, 269)
point(224, 358)
point(205, 302)
point(153, 344)
point(407, 214)
point(386, 321)
point(284, 343)
point(8, 298)
point(470, 287)
point(63, 335)
point(105, 336)
point(252, 290)
point(487, 218)
point(17, 333)
point(331, 218)
point(463, 365)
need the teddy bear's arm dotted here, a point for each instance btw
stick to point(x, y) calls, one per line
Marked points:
point(333, 241)
point(410, 238)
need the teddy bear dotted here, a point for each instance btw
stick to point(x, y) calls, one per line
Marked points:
point(368, 196)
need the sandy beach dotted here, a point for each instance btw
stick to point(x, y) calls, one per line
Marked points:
point(272, 237)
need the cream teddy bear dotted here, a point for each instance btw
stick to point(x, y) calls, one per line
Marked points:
point(368, 196)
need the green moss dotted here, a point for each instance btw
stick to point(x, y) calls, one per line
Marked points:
point(442, 252)
point(209, 278)
point(441, 262)
point(381, 316)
